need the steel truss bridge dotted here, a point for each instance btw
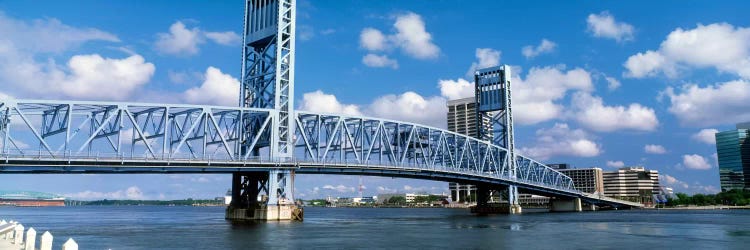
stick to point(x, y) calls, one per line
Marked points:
point(98, 137)
point(117, 137)
point(263, 141)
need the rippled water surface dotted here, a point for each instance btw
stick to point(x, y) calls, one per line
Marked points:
point(160, 227)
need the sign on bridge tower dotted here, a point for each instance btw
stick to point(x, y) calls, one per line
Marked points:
point(493, 100)
point(267, 83)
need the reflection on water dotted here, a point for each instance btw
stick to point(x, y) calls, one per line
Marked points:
point(145, 227)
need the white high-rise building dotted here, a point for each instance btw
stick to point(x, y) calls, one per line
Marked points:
point(462, 119)
point(589, 180)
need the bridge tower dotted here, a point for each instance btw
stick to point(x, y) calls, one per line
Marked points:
point(267, 83)
point(492, 92)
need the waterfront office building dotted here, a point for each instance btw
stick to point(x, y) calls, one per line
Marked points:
point(733, 153)
point(588, 180)
point(632, 183)
point(462, 119)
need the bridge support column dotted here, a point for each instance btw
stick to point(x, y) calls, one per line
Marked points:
point(514, 206)
point(265, 196)
point(566, 205)
point(281, 204)
point(485, 206)
point(589, 207)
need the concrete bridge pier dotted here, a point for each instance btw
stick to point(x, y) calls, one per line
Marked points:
point(263, 196)
point(566, 205)
point(486, 205)
point(589, 207)
point(514, 205)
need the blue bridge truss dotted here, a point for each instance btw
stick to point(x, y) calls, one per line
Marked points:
point(100, 137)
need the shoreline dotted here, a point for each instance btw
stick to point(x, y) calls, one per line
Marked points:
point(712, 207)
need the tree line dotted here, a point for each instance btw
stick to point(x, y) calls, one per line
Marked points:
point(730, 198)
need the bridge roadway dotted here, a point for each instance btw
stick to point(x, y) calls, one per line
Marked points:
point(111, 137)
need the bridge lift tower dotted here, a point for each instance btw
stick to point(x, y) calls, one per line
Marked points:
point(267, 83)
point(492, 95)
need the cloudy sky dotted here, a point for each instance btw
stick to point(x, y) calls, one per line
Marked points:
point(596, 84)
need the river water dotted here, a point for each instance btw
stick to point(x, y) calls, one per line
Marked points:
point(161, 227)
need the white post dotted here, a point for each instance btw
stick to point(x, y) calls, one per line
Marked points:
point(30, 239)
point(3, 222)
point(46, 243)
point(18, 237)
point(70, 245)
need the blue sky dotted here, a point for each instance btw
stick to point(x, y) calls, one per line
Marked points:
point(596, 83)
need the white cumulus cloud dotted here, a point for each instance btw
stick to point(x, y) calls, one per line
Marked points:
point(721, 103)
point(707, 136)
point(561, 140)
point(372, 39)
point(654, 149)
point(615, 164)
point(536, 97)
point(408, 106)
point(694, 161)
point(386, 190)
point(224, 38)
point(379, 61)
point(486, 57)
point(131, 193)
point(326, 103)
point(546, 46)
point(647, 64)
point(179, 40)
point(456, 89)
point(672, 181)
point(37, 36)
point(612, 83)
point(720, 46)
point(412, 107)
point(591, 112)
point(217, 89)
point(184, 41)
point(92, 76)
point(340, 188)
point(411, 37)
point(28, 71)
point(604, 25)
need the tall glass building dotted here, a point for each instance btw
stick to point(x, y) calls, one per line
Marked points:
point(733, 151)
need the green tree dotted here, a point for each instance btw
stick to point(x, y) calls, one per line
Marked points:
point(397, 200)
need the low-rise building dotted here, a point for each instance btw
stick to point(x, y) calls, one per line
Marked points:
point(364, 200)
point(411, 197)
point(632, 183)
